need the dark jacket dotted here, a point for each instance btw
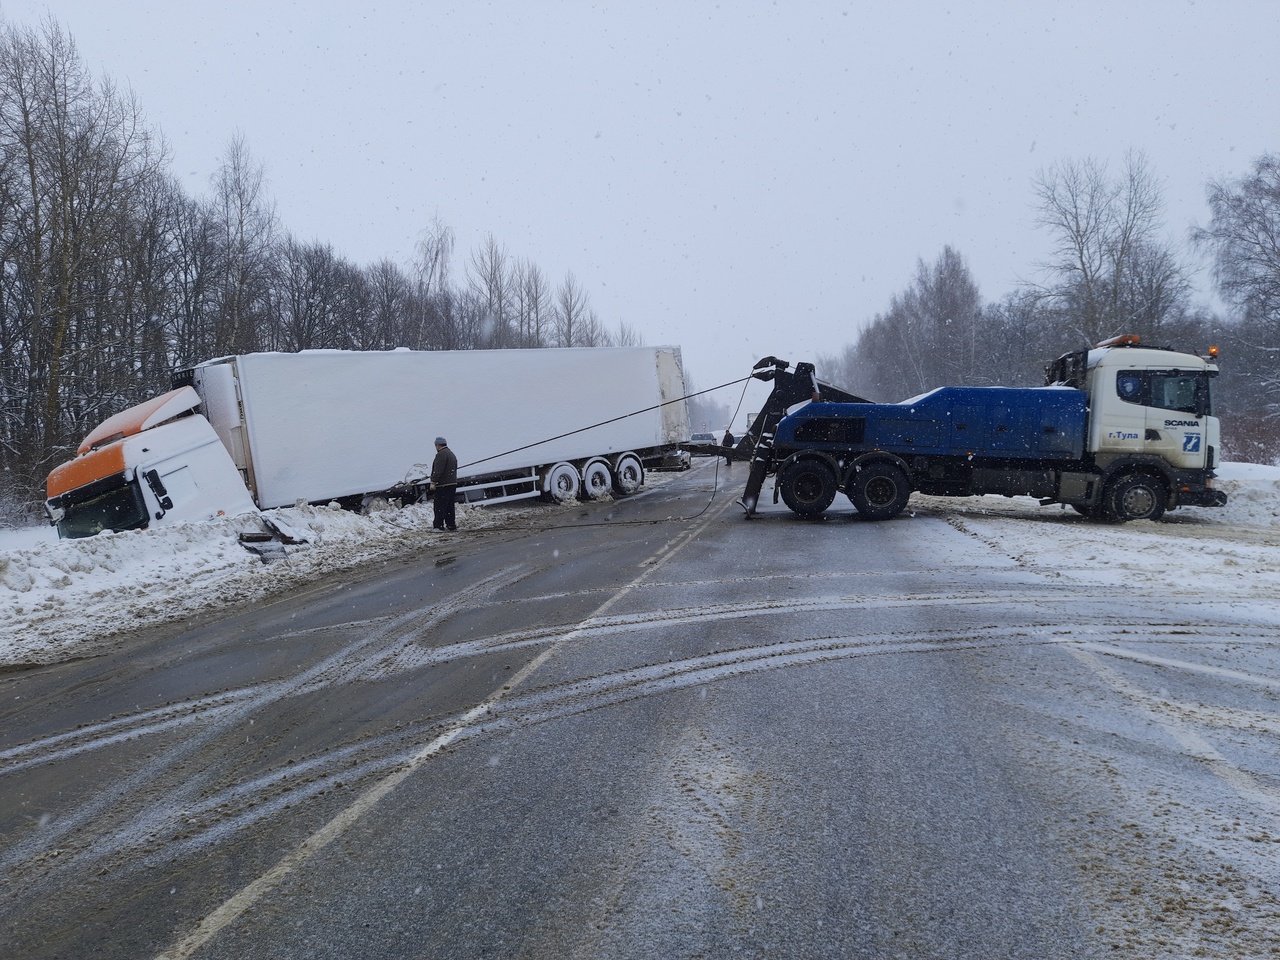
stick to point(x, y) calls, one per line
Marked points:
point(444, 468)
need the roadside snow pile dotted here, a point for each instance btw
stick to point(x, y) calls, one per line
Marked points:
point(1227, 552)
point(58, 595)
point(59, 598)
point(1253, 494)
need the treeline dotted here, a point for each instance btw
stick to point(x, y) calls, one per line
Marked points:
point(1111, 273)
point(111, 277)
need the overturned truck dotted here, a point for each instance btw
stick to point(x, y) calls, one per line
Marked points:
point(263, 430)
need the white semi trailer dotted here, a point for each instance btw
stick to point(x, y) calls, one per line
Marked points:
point(265, 430)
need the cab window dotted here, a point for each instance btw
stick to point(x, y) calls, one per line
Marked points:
point(1183, 391)
point(1175, 391)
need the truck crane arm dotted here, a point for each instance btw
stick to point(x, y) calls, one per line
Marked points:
point(789, 388)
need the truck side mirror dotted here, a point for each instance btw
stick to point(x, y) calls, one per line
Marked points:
point(157, 487)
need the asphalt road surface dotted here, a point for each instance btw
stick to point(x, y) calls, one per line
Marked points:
point(653, 729)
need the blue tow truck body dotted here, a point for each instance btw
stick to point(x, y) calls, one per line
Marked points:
point(984, 423)
point(1119, 432)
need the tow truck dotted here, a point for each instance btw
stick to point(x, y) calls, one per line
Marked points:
point(1119, 432)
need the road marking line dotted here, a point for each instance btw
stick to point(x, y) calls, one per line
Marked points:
point(1244, 783)
point(1208, 669)
point(242, 900)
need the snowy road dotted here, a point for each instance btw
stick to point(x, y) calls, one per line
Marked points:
point(968, 732)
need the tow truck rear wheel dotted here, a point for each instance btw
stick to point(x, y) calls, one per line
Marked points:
point(1135, 496)
point(808, 487)
point(879, 491)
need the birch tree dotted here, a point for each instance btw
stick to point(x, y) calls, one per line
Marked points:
point(246, 222)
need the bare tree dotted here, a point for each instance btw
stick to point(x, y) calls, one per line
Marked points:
point(76, 158)
point(194, 278)
point(626, 336)
point(247, 227)
point(1244, 238)
point(571, 307)
point(533, 304)
point(1110, 272)
point(489, 280)
point(434, 303)
point(390, 306)
point(591, 332)
point(930, 336)
point(309, 289)
point(435, 254)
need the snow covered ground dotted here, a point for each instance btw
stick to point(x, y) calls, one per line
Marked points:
point(60, 599)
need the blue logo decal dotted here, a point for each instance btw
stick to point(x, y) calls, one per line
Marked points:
point(1191, 443)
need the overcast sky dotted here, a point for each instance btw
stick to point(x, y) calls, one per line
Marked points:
point(741, 178)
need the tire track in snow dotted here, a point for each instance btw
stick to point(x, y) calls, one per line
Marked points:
point(144, 781)
point(237, 807)
point(403, 652)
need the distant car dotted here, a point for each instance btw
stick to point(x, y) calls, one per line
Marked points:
point(676, 460)
point(707, 438)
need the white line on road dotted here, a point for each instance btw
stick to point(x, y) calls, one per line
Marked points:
point(1243, 782)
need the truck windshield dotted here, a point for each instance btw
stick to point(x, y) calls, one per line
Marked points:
point(1183, 390)
point(119, 508)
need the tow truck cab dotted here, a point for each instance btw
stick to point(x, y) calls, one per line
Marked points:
point(1146, 402)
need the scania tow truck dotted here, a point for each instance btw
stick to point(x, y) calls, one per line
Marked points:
point(1119, 432)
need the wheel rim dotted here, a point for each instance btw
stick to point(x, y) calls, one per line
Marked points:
point(880, 491)
point(563, 483)
point(1139, 501)
point(628, 474)
point(808, 488)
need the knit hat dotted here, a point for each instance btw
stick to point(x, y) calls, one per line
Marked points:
point(440, 442)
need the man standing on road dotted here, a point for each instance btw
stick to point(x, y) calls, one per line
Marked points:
point(444, 484)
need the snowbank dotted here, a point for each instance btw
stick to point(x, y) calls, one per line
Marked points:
point(59, 599)
point(1227, 553)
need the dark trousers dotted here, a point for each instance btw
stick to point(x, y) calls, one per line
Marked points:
point(442, 516)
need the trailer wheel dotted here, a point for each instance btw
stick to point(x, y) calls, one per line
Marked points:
point(562, 483)
point(628, 474)
point(879, 491)
point(1135, 496)
point(808, 487)
point(597, 481)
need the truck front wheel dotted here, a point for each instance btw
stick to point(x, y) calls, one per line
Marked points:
point(879, 491)
point(1135, 496)
point(808, 487)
